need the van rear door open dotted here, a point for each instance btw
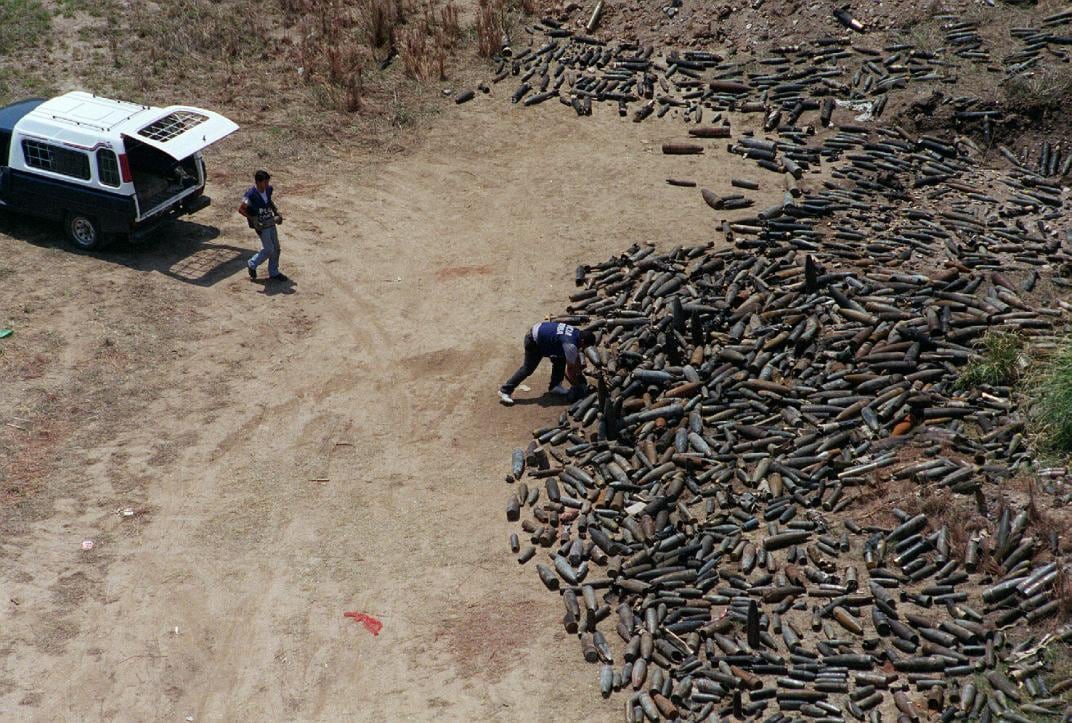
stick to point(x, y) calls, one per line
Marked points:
point(181, 131)
point(174, 135)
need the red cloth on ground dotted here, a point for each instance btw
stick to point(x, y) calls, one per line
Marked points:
point(371, 624)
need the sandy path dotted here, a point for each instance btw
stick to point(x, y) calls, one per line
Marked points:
point(294, 456)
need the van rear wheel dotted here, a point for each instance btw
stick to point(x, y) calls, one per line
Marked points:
point(83, 232)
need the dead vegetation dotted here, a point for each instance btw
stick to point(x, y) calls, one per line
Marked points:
point(490, 26)
point(340, 42)
point(293, 72)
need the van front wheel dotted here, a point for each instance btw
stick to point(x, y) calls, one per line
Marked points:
point(83, 232)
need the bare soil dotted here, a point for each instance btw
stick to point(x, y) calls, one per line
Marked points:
point(294, 452)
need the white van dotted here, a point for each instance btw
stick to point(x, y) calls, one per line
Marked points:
point(105, 167)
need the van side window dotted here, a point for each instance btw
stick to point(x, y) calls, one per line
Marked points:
point(108, 168)
point(48, 157)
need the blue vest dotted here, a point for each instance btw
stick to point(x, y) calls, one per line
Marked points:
point(256, 203)
point(551, 335)
point(256, 208)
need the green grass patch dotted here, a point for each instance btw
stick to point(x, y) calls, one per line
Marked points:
point(23, 24)
point(1049, 391)
point(998, 362)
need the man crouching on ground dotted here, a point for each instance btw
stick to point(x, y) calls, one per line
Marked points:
point(263, 217)
point(562, 344)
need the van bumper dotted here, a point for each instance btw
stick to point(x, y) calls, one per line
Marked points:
point(151, 226)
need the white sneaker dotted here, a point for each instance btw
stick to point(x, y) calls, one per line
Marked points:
point(559, 390)
point(506, 399)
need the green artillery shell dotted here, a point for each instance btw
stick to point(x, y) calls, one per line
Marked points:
point(785, 539)
point(601, 645)
point(513, 509)
point(564, 569)
point(588, 648)
point(647, 645)
point(527, 554)
point(569, 599)
point(589, 597)
point(606, 680)
point(997, 679)
point(515, 544)
point(518, 463)
point(546, 576)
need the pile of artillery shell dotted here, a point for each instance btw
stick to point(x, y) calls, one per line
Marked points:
point(701, 512)
point(580, 69)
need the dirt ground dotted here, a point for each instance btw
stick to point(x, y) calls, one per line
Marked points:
point(292, 453)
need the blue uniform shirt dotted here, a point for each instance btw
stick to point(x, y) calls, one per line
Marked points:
point(557, 340)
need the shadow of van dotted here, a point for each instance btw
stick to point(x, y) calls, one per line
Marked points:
point(182, 250)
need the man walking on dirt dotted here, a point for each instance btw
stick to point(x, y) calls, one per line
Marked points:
point(563, 345)
point(263, 217)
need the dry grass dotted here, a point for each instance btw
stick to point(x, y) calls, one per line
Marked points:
point(331, 58)
point(1062, 591)
point(1039, 93)
point(379, 18)
point(296, 72)
point(339, 42)
point(490, 26)
point(1046, 525)
point(944, 508)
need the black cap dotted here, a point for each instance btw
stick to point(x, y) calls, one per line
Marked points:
point(262, 175)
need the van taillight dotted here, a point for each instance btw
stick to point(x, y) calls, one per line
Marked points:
point(124, 168)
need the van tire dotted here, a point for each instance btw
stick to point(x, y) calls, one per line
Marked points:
point(83, 232)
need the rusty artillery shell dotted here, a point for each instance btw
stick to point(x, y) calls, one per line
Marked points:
point(728, 86)
point(710, 132)
point(640, 673)
point(682, 149)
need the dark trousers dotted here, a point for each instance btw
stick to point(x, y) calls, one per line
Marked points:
point(532, 360)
